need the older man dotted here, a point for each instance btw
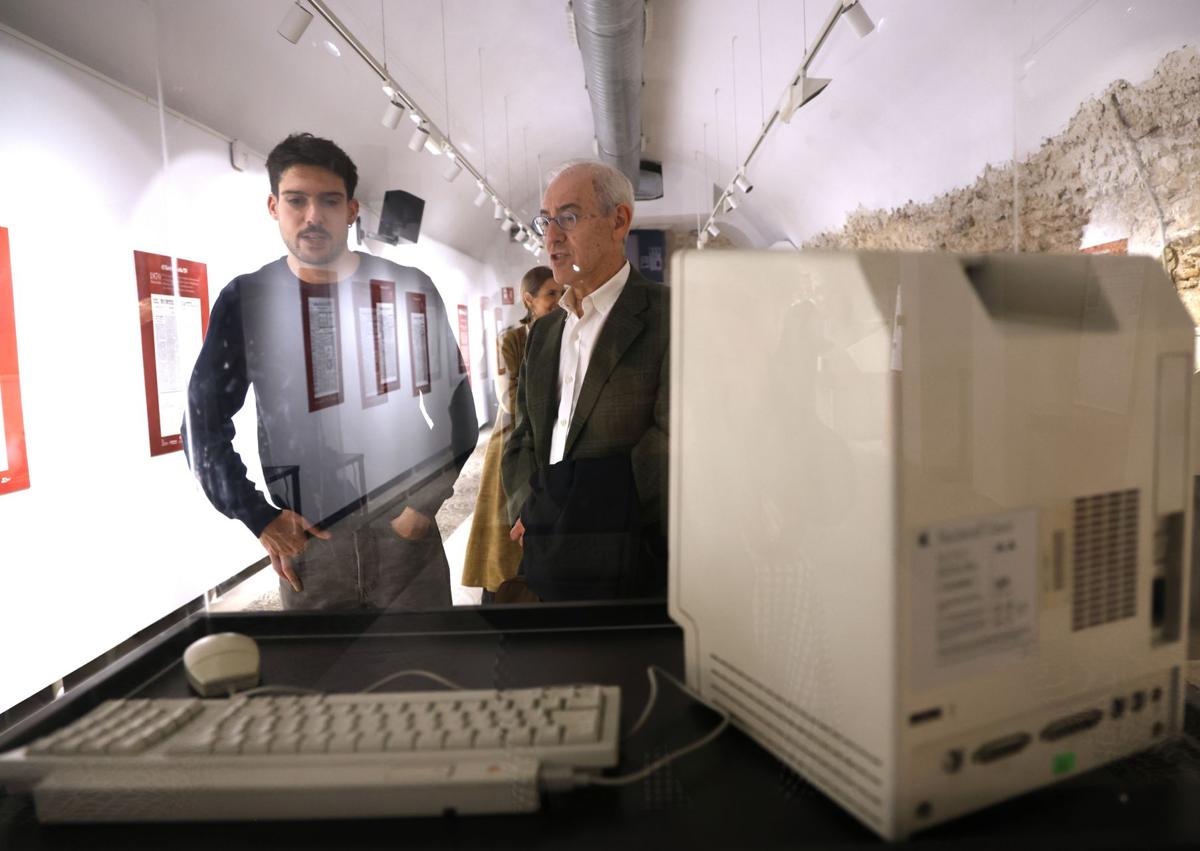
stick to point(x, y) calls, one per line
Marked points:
point(586, 466)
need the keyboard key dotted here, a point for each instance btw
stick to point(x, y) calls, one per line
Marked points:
point(342, 742)
point(401, 740)
point(256, 745)
point(285, 743)
point(315, 743)
point(489, 737)
point(518, 737)
point(371, 742)
point(227, 746)
point(579, 726)
point(459, 739)
point(126, 747)
point(584, 697)
point(430, 740)
point(550, 735)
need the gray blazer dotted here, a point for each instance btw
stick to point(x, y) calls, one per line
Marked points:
point(623, 403)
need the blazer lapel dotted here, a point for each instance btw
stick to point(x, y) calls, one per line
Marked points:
point(541, 365)
point(620, 330)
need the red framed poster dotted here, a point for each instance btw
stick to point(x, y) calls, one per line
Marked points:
point(383, 328)
point(464, 340)
point(173, 310)
point(484, 301)
point(506, 295)
point(418, 342)
point(322, 353)
point(14, 466)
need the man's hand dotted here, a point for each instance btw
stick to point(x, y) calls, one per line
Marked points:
point(284, 539)
point(411, 525)
point(517, 533)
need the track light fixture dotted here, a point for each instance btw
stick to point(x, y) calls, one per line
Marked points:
point(713, 230)
point(799, 93)
point(392, 115)
point(294, 23)
point(858, 17)
point(434, 143)
point(419, 137)
point(426, 133)
point(731, 202)
point(742, 183)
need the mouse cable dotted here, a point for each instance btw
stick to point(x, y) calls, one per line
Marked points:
point(414, 672)
point(554, 780)
point(275, 689)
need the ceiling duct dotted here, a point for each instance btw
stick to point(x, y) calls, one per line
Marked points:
point(611, 35)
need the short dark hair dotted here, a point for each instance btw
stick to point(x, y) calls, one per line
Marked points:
point(307, 149)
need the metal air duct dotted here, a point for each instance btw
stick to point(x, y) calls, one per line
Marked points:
point(611, 34)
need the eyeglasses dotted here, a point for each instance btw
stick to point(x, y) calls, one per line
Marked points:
point(566, 221)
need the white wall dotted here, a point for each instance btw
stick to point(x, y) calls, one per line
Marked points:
point(107, 539)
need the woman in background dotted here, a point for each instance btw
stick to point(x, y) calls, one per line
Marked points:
point(491, 557)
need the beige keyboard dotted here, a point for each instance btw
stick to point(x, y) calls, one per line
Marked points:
point(319, 756)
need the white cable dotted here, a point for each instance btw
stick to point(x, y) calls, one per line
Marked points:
point(416, 672)
point(584, 779)
point(276, 689)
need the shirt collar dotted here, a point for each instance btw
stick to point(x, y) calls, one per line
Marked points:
point(603, 298)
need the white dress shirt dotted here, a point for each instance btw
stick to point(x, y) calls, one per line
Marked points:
point(578, 341)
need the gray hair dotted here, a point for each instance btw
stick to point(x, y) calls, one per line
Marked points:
point(611, 185)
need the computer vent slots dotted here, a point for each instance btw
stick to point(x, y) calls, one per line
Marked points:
point(852, 773)
point(1105, 558)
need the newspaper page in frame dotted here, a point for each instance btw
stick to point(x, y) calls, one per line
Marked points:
point(383, 322)
point(173, 311)
point(418, 341)
point(322, 355)
point(464, 341)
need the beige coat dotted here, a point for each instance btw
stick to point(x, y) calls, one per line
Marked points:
point(491, 557)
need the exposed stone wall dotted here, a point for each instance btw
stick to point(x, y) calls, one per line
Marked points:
point(1128, 163)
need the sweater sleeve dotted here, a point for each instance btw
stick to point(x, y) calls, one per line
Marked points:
point(217, 391)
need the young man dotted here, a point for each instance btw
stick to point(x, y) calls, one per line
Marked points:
point(586, 466)
point(357, 464)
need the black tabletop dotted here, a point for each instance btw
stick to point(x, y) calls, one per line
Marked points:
point(731, 794)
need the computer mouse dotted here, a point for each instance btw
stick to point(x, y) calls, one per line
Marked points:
point(218, 664)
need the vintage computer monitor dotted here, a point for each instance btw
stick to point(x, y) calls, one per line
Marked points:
point(931, 515)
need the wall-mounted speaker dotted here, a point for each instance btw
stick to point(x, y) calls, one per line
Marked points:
point(400, 220)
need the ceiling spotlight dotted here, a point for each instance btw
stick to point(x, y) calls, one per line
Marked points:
point(731, 202)
point(392, 115)
point(742, 183)
point(858, 17)
point(713, 230)
point(416, 117)
point(419, 137)
point(434, 143)
point(294, 23)
point(453, 170)
point(498, 211)
point(520, 235)
point(507, 225)
point(390, 90)
point(483, 194)
point(799, 93)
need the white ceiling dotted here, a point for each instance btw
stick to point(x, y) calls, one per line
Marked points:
point(920, 105)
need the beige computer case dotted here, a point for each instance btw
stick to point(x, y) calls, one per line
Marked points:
point(931, 515)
